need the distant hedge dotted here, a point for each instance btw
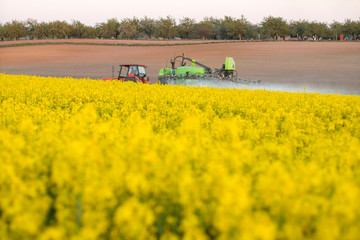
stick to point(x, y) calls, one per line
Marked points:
point(273, 28)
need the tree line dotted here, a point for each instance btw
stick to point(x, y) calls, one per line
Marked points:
point(187, 28)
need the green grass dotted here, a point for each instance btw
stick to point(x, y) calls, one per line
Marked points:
point(149, 44)
point(114, 44)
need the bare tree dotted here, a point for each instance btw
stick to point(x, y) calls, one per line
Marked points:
point(336, 29)
point(227, 27)
point(241, 27)
point(15, 29)
point(129, 27)
point(2, 36)
point(204, 29)
point(90, 32)
point(77, 29)
point(351, 28)
point(101, 30)
point(61, 29)
point(186, 27)
point(147, 26)
point(166, 27)
point(317, 30)
point(112, 28)
point(275, 26)
point(31, 25)
point(298, 28)
point(43, 30)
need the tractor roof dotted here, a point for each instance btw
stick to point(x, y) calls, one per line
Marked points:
point(132, 65)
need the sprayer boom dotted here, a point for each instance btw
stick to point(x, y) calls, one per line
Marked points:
point(198, 74)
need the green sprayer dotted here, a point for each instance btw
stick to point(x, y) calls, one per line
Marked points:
point(198, 74)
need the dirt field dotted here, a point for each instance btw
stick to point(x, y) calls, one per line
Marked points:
point(330, 67)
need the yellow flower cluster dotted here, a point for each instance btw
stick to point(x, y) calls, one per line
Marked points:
point(88, 159)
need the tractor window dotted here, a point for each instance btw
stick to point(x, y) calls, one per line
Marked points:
point(142, 71)
point(123, 71)
point(134, 70)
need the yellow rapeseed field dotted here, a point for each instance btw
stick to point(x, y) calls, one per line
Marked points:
point(88, 159)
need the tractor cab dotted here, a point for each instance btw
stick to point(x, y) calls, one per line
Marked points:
point(133, 73)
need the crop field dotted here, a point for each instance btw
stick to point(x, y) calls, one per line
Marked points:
point(88, 159)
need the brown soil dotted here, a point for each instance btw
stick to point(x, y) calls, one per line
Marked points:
point(321, 66)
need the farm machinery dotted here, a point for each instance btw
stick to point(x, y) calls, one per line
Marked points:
point(131, 73)
point(198, 74)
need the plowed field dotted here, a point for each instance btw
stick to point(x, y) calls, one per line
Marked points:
point(321, 66)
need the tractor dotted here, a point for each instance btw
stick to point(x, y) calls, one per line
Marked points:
point(131, 73)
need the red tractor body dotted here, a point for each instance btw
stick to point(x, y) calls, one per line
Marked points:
point(131, 73)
